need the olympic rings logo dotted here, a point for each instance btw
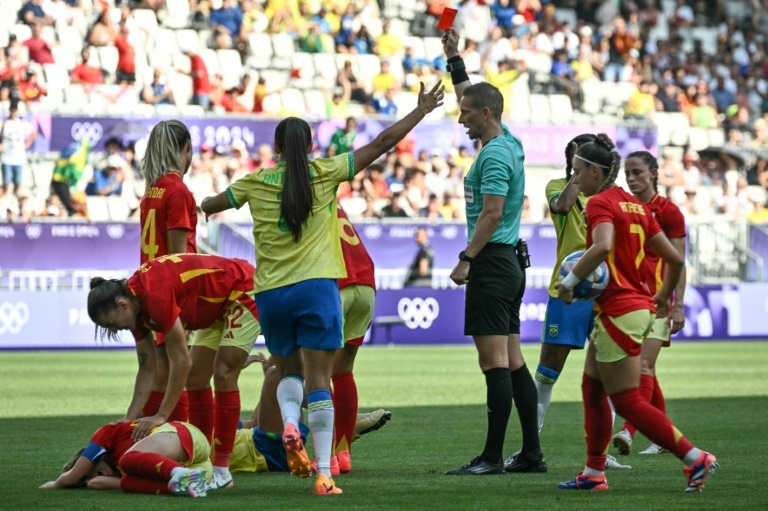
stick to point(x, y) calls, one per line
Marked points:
point(33, 231)
point(115, 231)
point(418, 312)
point(92, 131)
point(373, 232)
point(13, 316)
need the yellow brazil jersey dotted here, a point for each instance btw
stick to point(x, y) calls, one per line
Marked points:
point(317, 255)
point(571, 229)
point(245, 457)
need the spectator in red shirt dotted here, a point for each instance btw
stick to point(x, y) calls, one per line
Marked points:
point(29, 89)
point(39, 51)
point(126, 62)
point(201, 84)
point(85, 73)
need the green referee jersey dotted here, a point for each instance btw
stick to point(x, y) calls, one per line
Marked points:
point(497, 170)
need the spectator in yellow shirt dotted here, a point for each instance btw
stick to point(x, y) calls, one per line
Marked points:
point(503, 78)
point(385, 80)
point(387, 43)
point(582, 66)
point(641, 104)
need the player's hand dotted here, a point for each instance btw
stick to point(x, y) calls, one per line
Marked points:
point(460, 274)
point(50, 485)
point(145, 426)
point(450, 42)
point(428, 101)
point(564, 294)
point(266, 362)
point(662, 305)
point(676, 319)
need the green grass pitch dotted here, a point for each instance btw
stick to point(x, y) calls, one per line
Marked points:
point(717, 394)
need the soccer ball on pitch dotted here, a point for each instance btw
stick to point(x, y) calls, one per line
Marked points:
point(592, 286)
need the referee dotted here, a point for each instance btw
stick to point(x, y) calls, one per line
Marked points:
point(493, 190)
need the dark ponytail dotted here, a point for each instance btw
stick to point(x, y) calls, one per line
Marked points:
point(569, 151)
point(292, 137)
point(649, 161)
point(102, 299)
point(604, 154)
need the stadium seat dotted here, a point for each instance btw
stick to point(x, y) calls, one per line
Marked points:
point(166, 41)
point(417, 43)
point(283, 45)
point(211, 60)
point(166, 110)
point(433, 47)
point(187, 38)
point(261, 50)
point(108, 57)
point(680, 127)
point(325, 65)
point(306, 66)
point(293, 101)
point(22, 32)
point(540, 109)
point(663, 128)
point(191, 111)
point(520, 109)
point(565, 15)
point(53, 100)
point(275, 79)
point(56, 75)
point(181, 85)
point(562, 110)
point(69, 38)
point(272, 104)
point(178, 14)
point(592, 90)
point(406, 102)
point(98, 210)
point(64, 57)
point(451, 105)
point(143, 110)
point(716, 137)
point(315, 102)
point(698, 139)
point(118, 208)
point(146, 19)
point(74, 94)
point(159, 59)
point(231, 67)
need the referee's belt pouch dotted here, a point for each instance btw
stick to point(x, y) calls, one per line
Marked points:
point(523, 256)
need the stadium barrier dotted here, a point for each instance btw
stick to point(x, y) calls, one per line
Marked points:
point(58, 319)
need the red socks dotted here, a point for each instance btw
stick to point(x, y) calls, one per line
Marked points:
point(180, 412)
point(130, 484)
point(597, 421)
point(227, 416)
point(148, 465)
point(651, 421)
point(647, 385)
point(345, 409)
point(658, 397)
point(201, 411)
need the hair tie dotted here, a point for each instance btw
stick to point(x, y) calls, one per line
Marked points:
point(590, 162)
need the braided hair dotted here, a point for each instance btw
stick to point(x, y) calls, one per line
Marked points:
point(649, 161)
point(579, 140)
point(102, 299)
point(604, 154)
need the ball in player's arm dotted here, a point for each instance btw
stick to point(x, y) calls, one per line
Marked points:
point(612, 365)
point(494, 190)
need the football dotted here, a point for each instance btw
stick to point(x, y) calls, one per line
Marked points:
point(595, 283)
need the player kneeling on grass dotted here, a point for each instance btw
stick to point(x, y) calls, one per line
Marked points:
point(619, 228)
point(173, 460)
point(214, 296)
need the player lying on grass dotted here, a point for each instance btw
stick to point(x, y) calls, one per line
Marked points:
point(172, 459)
point(259, 446)
point(211, 295)
point(619, 228)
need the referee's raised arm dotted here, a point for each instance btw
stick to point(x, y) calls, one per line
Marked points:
point(455, 66)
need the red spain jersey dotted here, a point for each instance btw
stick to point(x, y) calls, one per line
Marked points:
point(671, 220)
point(114, 440)
point(356, 258)
point(167, 204)
point(633, 224)
point(195, 288)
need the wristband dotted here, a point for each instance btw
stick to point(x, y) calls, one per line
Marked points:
point(459, 76)
point(570, 281)
point(457, 69)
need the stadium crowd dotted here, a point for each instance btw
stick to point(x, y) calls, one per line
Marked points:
point(642, 61)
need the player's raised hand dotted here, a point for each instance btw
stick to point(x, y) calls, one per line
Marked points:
point(428, 101)
point(450, 41)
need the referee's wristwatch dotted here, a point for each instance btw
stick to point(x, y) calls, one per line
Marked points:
point(464, 257)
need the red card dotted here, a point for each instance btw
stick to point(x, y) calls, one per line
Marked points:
point(446, 19)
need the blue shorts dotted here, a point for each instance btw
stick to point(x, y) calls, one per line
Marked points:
point(270, 445)
point(568, 325)
point(12, 174)
point(303, 315)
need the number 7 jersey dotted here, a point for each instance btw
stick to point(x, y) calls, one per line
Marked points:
point(167, 204)
point(633, 225)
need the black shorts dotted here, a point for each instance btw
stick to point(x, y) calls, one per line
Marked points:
point(494, 292)
point(122, 76)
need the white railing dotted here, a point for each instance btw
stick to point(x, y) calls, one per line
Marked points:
point(32, 280)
